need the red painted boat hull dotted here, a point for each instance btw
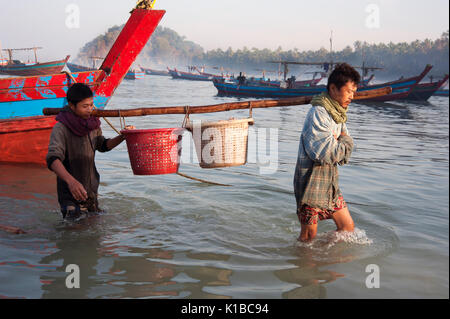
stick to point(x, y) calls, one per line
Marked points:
point(25, 140)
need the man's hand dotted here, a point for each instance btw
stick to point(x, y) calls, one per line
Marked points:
point(77, 190)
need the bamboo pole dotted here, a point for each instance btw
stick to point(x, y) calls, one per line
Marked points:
point(218, 107)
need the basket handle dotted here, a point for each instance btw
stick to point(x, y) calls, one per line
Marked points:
point(186, 122)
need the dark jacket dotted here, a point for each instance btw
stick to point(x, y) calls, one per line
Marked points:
point(77, 153)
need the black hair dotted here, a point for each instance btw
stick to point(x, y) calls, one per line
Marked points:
point(78, 92)
point(341, 74)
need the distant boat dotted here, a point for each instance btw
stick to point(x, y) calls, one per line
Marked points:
point(423, 91)
point(134, 75)
point(199, 76)
point(130, 75)
point(210, 75)
point(276, 83)
point(400, 89)
point(149, 71)
point(296, 84)
point(263, 81)
point(18, 68)
point(189, 76)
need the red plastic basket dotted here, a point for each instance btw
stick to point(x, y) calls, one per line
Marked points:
point(154, 151)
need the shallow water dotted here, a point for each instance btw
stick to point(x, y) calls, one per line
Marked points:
point(170, 237)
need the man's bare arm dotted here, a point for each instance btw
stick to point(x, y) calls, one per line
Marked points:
point(112, 143)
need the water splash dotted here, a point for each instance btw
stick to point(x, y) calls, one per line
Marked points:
point(357, 237)
point(330, 239)
point(343, 246)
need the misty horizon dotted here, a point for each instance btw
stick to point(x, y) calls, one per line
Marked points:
point(253, 24)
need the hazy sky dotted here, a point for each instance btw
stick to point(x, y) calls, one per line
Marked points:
point(304, 25)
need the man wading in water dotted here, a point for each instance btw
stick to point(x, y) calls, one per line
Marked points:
point(71, 152)
point(325, 143)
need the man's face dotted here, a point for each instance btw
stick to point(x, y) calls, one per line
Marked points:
point(345, 95)
point(83, 108)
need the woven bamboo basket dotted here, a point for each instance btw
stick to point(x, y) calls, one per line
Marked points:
point(221, 143)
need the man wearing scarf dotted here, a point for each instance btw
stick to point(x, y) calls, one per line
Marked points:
point(71, 152)
point(324, 144)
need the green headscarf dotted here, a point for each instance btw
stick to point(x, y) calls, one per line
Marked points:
point(337, 112)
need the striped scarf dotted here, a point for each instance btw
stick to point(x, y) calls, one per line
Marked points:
point(336, 111)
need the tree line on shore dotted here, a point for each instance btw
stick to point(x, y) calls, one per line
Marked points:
point(167, 48)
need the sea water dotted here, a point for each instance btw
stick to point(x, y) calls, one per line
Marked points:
point(167, 236)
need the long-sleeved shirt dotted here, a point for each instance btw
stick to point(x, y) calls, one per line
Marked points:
point(316, 181)
point(77, 154)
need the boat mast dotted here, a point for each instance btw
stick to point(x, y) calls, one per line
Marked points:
point(35, 55)
point(286, 69)
point(1, 55)
point(363, 66)
point(331, 51)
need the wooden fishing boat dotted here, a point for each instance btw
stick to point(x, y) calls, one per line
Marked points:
point(149, 71)
point(25, 132)
point(213, 76)
point(423, 91)
point(264, 91)
point(179, 75)
point(18, 68)
point(400, 89)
